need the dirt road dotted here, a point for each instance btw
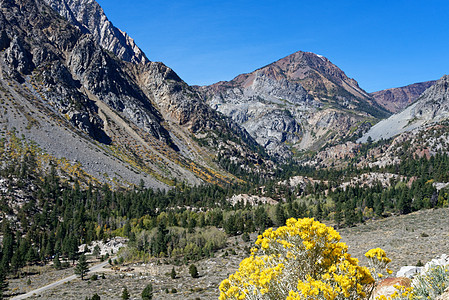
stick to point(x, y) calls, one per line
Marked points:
point(59, 282)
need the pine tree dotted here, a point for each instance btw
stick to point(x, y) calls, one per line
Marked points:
point(125, 294)
point(147, 293)
point(95, 297)
point(229, 225)
point(378, 206)
point(3, 283)
point(31, 255)
point(193, 271)
point(96, 251)
point(173, 273)
point(82, 267)
point(159, 243)
point(350, 216)
point(319, 211)
point(8, 245)
point(404, 204)
point(57, 262)
point(280, 216)
point(337, 215)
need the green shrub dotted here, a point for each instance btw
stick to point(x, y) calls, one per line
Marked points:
point(427, 285)
point(245, 237)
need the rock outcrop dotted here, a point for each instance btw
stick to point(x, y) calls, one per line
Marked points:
point(387, 286)
point(89, 17)
point(252, 200)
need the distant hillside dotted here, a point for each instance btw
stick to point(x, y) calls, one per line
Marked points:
point(396, 99)
point(431, 107)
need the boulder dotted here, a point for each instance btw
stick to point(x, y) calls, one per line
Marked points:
point(443, 260)
point(409, 271)
point(386, 287)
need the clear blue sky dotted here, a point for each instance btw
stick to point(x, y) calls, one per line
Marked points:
point(381, 44)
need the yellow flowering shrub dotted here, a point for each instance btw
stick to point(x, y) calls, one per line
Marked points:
point(302, 260)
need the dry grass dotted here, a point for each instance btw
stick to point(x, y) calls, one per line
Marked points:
point(407, 239)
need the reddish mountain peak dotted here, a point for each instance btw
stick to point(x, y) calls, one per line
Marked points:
point(396, 99)
point(318, 76)
point(298, 66)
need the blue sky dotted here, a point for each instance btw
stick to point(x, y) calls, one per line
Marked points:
point(381, 44)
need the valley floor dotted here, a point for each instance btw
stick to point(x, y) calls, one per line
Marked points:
point(407, 239)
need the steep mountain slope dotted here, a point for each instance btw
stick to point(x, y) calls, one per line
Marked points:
point(89, 17)
point(396, 99)
point(431, 107)
point(299, 102)
point(62, 90)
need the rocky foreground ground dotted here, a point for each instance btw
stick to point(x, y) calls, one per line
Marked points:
point(407, 239)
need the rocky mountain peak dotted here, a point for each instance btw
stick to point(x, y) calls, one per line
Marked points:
point(299, 102)
point(439, 91)
point(89, 17)
point(61, 85)
point(305, 66)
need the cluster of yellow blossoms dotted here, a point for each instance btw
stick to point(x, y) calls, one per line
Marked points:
point(302, 260)
point(378, 260)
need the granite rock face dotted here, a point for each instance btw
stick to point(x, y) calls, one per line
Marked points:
point(396, 99)
point(89, 17)
point(300, 102)
point(34, 42)
point(106, 78)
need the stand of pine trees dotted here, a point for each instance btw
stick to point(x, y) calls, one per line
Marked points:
point(63, 212)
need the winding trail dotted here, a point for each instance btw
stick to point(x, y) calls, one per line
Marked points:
point(59, 282)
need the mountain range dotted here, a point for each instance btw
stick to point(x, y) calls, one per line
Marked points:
point(102, 148)
point(83, 91)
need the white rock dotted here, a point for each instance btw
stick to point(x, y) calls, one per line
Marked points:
point(408, 271)
point(442, 261)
